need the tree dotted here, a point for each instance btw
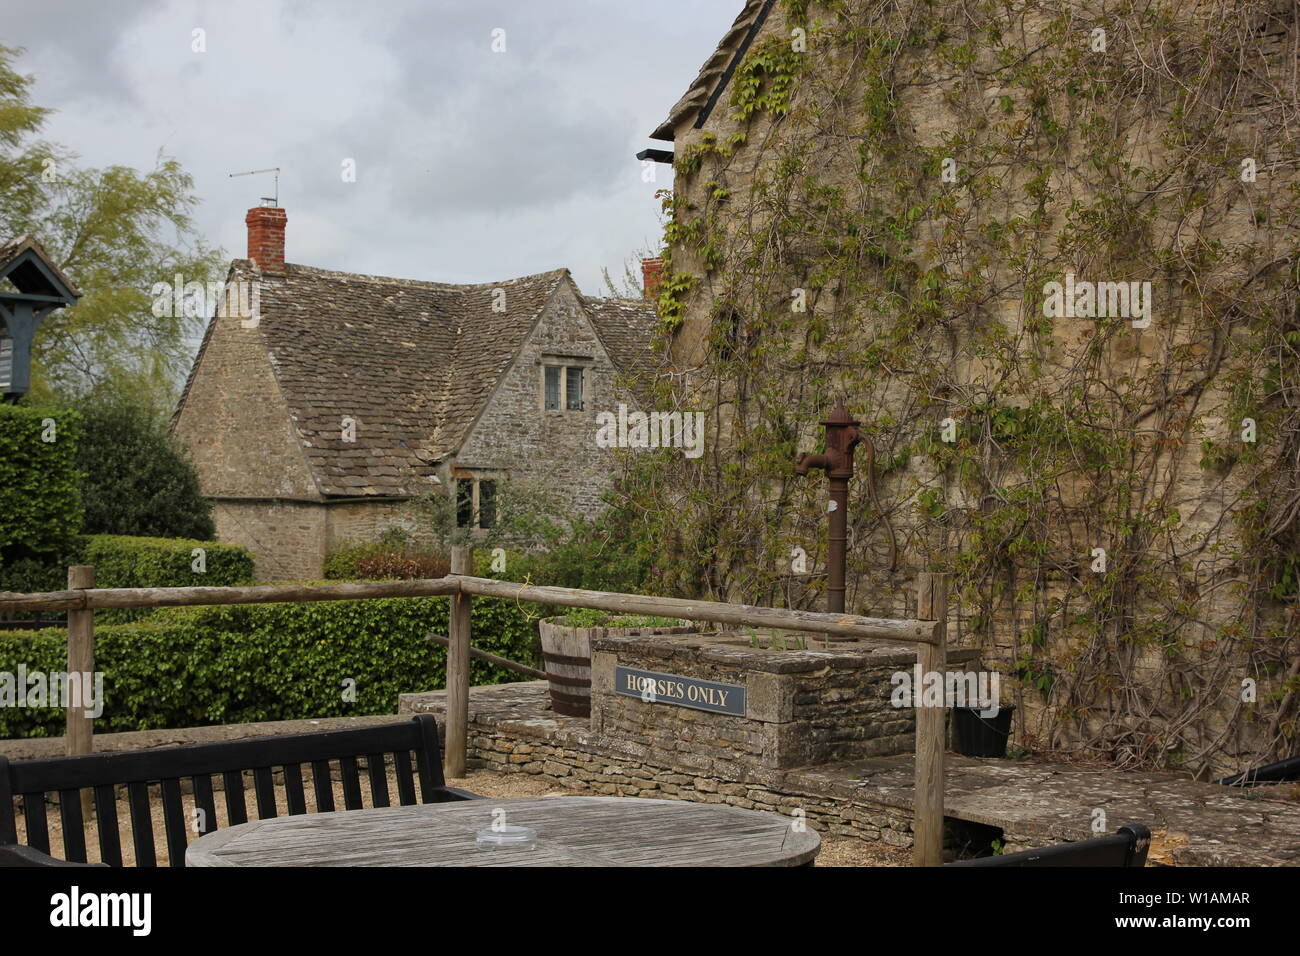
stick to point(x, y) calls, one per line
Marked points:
point(138, 479)
point(115, 232)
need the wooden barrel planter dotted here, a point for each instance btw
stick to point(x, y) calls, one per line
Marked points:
point(566, 653)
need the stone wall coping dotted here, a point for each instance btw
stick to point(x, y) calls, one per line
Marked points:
point(708, 648)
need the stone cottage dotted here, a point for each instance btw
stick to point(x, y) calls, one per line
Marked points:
point(322, 402)
point(1045, 253)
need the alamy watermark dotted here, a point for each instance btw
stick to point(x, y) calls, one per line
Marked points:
point(683, 430)
point(237, 299)
point(78, 690)
point(1095, 300)
point(917, 688)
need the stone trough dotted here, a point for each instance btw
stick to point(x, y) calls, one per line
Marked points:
point(735, 698)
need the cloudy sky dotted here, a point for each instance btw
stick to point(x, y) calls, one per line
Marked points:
point(471, 165)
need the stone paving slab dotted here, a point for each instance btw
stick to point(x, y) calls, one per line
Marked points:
point(1033, 803)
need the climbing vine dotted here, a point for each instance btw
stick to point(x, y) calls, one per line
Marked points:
point(879, 220)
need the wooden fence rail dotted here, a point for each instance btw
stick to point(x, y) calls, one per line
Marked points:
point(100, 599)
point(478, 654)
point(743, 615)
point(927, 634)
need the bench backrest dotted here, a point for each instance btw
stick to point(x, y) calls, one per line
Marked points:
point(1126, 847)
point(103, 773)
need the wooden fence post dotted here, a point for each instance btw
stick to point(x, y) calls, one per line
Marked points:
point(80, 733)
point(462, 562)
point(931, 724)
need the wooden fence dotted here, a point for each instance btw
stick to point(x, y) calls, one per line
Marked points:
point(926, 633)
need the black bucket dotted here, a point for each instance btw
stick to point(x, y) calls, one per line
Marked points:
point(977, 736)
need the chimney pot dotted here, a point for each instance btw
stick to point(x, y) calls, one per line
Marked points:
point(651, 276)
point(266, 237)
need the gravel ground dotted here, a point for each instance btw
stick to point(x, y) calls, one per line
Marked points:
point(835, 851)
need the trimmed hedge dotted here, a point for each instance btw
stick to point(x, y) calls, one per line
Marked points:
point(40, 487)
point(122, 561)
point(190, 667)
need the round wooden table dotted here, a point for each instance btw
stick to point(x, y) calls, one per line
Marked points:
point(571, 831)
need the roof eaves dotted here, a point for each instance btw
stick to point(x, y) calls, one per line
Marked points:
point(698, 99)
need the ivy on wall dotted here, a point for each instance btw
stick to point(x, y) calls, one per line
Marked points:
point(878, 221)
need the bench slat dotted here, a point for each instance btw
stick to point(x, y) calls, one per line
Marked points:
point(264, 789)
point(141, 824)
point(377, 771)
point(205, 801)
point(110, 840)
point(405, 778)
point(322, 781)
point(74, 832)
point(236, 808)
point(293, 792)
point(38, 829)
point(174, 822)
point(351, 783)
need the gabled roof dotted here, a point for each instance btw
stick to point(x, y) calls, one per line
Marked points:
point(29, 276)
point(412, 363)
point(713, 76)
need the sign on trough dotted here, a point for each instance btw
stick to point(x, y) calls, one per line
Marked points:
point(690, 692)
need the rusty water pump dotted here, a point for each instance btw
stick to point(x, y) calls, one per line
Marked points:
point(842, 436)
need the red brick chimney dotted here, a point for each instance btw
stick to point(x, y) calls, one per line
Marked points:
point(266, 237)
point(651, 273)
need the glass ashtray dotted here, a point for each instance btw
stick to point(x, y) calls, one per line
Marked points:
point(506, 836)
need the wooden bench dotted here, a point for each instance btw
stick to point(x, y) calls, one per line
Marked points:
point(32, 780)
point(1127, 846)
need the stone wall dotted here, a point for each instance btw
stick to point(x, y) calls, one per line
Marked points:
point(553, 450)
point(970, 112)
point(364, 520)
point(287, 538)
point(803, 707)
point(582, 770)
point(291, 539)
point(235, 422)
point(512, 730)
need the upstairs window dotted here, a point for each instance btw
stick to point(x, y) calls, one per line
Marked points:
point(563, 387)
point(573, 389)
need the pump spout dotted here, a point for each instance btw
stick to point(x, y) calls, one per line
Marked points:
point(807, 461)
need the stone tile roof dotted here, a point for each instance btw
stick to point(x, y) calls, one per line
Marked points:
point(710, 75)
point(411, 363)
point(626, 329)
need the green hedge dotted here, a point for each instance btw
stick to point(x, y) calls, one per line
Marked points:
point(121, 561)
point(40, 493)
point(189, 667)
